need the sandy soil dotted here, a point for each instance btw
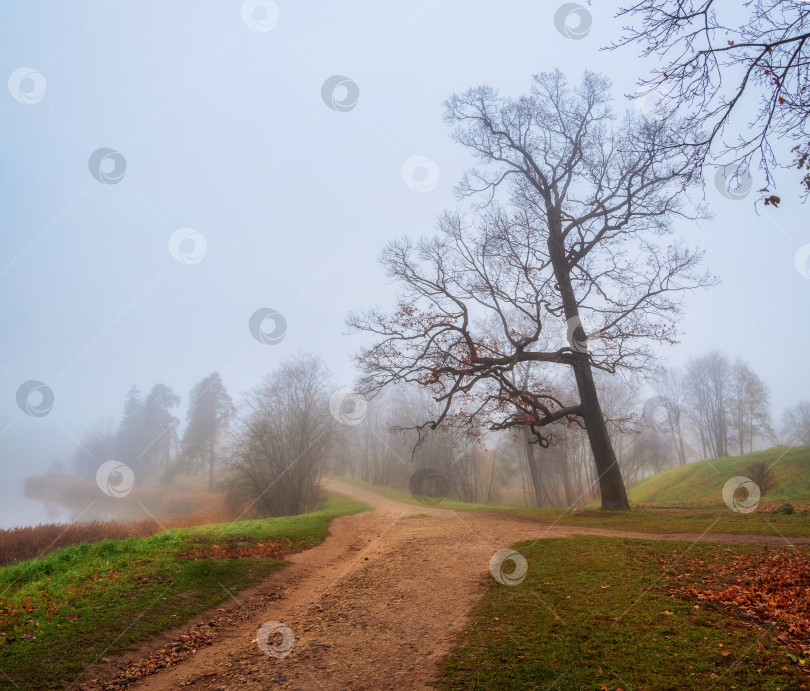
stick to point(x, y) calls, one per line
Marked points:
point(375, 606)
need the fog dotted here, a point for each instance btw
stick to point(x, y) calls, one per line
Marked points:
point(225, 131)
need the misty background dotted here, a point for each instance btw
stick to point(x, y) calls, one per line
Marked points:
point(224, 131)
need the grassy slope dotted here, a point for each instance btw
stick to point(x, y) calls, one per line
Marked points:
point(702, 482)
point(591, 615)
point(94, 599)
point(711, 518)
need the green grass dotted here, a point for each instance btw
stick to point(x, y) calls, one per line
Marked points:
point(97, 599)
point(592, 613)
point(711, 519)
point(702, 482)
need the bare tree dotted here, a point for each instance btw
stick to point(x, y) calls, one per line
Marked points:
point(282, 439)
point(736, 66)
point(669, 386)
point(453, 451)
point(708, 383)
point(727, 402)
point(796, 424)
point(762, 475)
point(749, 403)
point(572, 225)
point(372, 451)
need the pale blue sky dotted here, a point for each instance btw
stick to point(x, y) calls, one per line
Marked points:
point(224, 131)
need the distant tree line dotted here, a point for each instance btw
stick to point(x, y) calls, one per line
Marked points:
point(725, 406)
point(147, 438)
point(267, 454)
point(715, 407)
point(270, 452)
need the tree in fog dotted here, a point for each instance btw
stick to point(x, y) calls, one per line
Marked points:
point(282, 439)
point(132, 435)
point(521, 378)
point(384, 450)
point(796, 425)
point(619, 406)
point(728, 404)
point(648, 454)
point(738, 69)
point(210, 410)
point(749, 407)
point(373, 451)
point(708, 381)
point(669, 385)
point(160, 427)
point(570, 229)
point(457, 453)
point(98, 445)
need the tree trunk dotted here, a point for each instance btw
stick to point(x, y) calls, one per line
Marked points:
point(569, 492)
point(609, 477)
point(491, 477)
point(681, 451)
point(611, 486)
point(534, 471)
point(211, 462)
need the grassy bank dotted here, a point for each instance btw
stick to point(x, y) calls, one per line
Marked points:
point(712, 519)
point(61, 613)
point(595, 613)
point(709, 520)
point(702, 482)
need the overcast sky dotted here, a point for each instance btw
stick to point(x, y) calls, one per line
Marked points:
point(219, 116)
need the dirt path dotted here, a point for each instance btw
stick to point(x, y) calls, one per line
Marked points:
point(376, 605)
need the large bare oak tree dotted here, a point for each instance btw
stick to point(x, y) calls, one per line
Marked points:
point(568, 226)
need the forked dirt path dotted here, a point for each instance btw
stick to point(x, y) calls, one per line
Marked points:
point(377, 604)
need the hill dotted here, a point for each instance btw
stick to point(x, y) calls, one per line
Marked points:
point(702, 482)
